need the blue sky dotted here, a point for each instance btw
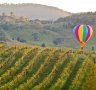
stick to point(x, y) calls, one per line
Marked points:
point(73, 6)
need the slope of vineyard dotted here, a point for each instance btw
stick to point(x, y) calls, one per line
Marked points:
point(37, 68)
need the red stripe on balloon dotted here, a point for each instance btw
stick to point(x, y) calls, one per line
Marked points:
point(89, 33)
point(76, 32)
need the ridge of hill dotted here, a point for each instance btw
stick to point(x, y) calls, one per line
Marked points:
point(34, 11)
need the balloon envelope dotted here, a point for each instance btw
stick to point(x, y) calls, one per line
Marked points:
point(82, 33)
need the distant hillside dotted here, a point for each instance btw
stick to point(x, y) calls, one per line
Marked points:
point(80, 18)
point(34, 11)
point(47, 33)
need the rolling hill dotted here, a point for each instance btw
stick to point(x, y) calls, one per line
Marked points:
point(34, 11)
point(58, 33)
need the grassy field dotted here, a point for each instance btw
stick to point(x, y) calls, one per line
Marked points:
point(47, 37)
point(36, 68)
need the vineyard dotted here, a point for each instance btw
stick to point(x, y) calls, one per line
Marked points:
point(37, 68)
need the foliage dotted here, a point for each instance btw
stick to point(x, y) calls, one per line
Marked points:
point(37, 68)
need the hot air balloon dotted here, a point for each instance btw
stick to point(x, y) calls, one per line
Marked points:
point(82, 33)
